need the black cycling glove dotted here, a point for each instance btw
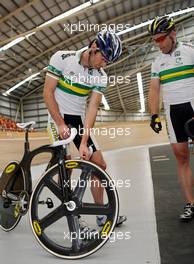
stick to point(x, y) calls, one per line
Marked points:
point(156, 123)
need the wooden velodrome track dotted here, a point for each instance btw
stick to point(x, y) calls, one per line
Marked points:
point(109, 136)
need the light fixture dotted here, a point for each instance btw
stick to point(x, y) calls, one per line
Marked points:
point(105, 103)
point(20, 83)
point(180, 12)
point(76, 9)
point(141, 94)
point(59, 17)
point(87, 4)
point(15, 41)
point(70, 12)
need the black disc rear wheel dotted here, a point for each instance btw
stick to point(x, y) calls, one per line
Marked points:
point(10, 211)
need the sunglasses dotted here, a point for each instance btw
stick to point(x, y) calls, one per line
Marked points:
point(161, 39)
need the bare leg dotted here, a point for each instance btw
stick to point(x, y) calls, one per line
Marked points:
point(181, 152)
point(96, 188)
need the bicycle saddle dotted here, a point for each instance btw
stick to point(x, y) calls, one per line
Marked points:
point(27, 125)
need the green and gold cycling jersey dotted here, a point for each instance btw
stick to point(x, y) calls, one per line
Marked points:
point(75, 82)
point(176, 74)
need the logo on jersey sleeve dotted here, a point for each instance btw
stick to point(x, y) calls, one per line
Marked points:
point(177, 53)
point(178, 58)
point(179, 61)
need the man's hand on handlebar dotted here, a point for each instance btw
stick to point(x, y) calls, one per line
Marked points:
point(64, 131)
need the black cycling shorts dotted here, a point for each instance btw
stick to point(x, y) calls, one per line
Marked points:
point(76, 121)
point(177, 115)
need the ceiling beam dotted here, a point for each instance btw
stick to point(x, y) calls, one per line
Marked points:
point(77, 14)
point(18, 10)
point(127, 16)
point(50, 49)
point(42, 53)
point(33, 91)
point(78, 36)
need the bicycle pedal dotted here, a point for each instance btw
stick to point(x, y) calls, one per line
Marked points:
point(49, 203)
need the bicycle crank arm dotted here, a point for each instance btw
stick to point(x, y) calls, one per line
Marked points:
point(10, 196)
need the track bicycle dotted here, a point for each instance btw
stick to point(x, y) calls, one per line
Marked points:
point(60, 201)
point(16, 182)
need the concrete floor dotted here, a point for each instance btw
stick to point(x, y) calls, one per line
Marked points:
point(136, 202)
point(175, 237)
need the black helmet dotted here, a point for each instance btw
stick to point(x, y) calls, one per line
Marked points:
point(161, 25)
